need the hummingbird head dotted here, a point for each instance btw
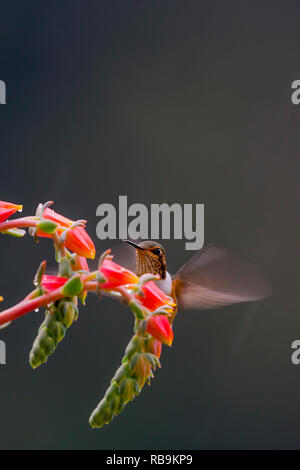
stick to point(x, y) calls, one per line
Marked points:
point(150, 258)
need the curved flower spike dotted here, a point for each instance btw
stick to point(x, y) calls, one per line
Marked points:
point(7, 209)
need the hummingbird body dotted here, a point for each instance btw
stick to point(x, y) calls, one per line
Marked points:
point(212, 278)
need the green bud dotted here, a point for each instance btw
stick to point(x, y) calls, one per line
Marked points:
point(46, 342)
point(101, 415)
point(121, 373)
point(132, 347)
point(73, 287)
point(37, 356)
point(55, 329)
point(117, 404)
point(59, 331)
point(112, 391)
point(47, 226)
point(140, 367)
point(96, 419)
point(49, 319)
point(128, 389)
point(154, 361)
point(67, 312)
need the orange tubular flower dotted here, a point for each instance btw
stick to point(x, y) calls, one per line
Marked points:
point(116, 275)
point(159, 327)
point(51, 283)
point(77, 239)
point(7, 209)
point(153, 297)
point(59, 219)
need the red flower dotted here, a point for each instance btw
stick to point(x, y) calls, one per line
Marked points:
point(116, 275)
point(159, 327)
point(153, 297)
point(77, 239)
point(57, 218)
point(53, 282)
point(7, 209)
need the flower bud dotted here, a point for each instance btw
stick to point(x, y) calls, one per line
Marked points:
point(67, 312)
point(153, 346)
point(121, 373)
point(51, 332)
point(37, 355)
point(46, 342)
point(154, 361)
point(128, 389)
point(117, 404)
point(112, 391)
point(140, 367)
point(103, 414)
point(132, 347)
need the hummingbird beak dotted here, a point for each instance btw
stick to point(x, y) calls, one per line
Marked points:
point(133, 244)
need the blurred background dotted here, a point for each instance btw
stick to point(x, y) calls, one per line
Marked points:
point(162, 101)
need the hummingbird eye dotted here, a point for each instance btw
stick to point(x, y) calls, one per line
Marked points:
point(156, 251)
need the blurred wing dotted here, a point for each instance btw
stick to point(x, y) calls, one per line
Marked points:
point(124, 255)
point(214, 278)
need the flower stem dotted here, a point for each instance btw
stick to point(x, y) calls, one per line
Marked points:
point(18, 223)
point(26, 306)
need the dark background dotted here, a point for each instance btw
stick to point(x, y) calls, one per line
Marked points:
point(163, 101)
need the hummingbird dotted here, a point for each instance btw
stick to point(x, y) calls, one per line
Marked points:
point(212, 278)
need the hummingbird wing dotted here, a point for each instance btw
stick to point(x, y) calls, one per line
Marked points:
point(124, 254)
point(214, 278)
